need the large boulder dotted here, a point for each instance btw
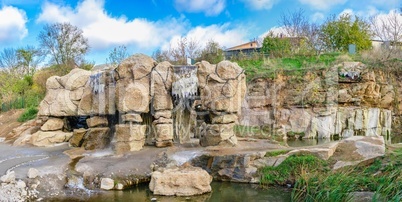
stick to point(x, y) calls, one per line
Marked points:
point(358, 149)
point(181, 181)
point(63, 94)
point(49, 138)
point(53, 124)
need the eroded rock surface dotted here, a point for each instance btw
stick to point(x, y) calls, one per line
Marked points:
point(182, 181)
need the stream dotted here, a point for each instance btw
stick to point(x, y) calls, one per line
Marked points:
point(221, 191)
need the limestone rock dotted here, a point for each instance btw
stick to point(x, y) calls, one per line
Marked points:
point(133, 96)
point(33, 173)
point(78, 137)
point(161, 85)
point(228, 70)
point(357, 149)
point(107, 184)
point(49, 138)
point(124, 147)
point(164, 113)
point(53, 124)
point(132, 117)
point(63, 94)
point(135, 67)
point(182, 181)
point(164, 135)
point(96, 138)
point(218, 134)
point(97, 121)
point(129, 132)
point(223, 119)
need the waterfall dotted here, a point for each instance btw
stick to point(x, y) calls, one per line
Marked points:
point(184, 92)
point(95, 82)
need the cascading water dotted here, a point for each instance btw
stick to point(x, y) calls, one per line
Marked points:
point(184, 92)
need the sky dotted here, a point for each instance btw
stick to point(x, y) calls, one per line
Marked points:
point(144, 26)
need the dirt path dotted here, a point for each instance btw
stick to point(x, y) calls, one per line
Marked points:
point(8, 121)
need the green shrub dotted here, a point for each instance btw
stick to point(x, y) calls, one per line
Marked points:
point(28, 114)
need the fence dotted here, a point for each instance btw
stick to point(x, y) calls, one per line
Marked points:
point(20, 103)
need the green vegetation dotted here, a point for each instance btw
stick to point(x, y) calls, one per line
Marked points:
point(338, 33)
point(275, 153)
point(269, 68)
point(290, 169)
point(28, 114)
point(314, 180)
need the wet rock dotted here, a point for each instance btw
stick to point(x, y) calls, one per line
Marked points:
point(181, 181)
point(53, 124)
point(33, 173)
point(49, 138)
point(129, 137)
point(96, 138)
point(107, 184)
point(97, 121)
point(78, 137)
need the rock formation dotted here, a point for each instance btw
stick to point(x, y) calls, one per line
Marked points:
point(181, 181)
point(346, 100)
point(132, 104)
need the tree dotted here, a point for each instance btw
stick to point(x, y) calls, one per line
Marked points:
point(9, 59)
point(296, 24)
point(185, 48)
point(276, 46)
point(388, 27)
point(29, 59)
point(212, 52)
point(117, 55)
point(339, 33)
point(160, 56)
point(64, 42)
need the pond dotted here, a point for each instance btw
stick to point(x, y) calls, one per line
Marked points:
point(221, 191)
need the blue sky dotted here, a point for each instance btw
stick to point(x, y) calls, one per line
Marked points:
point(146, 25)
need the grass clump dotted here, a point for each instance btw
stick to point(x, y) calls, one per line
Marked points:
point(275, 153)
point(290, 169)
point(28, 114)
point(383, 177)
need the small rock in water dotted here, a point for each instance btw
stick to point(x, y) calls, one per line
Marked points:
point(107, 183)
point(119, 186)
point(33, 173)
point(154, 199)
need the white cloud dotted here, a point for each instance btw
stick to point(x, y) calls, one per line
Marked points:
point(209, 7)
point(12, 24)
point(222, 34)
point(317, 17)
point(347, 11)
point(260, 4)
point(277, 31)
point(322, 4)
point(104, 31)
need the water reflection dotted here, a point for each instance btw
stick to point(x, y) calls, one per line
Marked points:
point(307, 142)
point(221, 191)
